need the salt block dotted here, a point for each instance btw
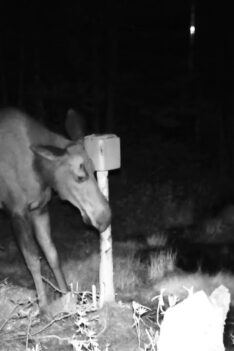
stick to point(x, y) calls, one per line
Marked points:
point(104, 150)
point(197, 323)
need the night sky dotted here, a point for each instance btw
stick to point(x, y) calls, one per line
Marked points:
point(79, 52)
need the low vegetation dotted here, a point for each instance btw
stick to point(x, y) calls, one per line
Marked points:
point(151, 211)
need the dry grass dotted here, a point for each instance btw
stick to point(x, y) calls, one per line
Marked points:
point(126, 268)
point(129, 271)
point(126, 273)
point(84, 272)
point(160, 264)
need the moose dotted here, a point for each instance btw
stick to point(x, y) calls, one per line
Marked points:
point(33, 161)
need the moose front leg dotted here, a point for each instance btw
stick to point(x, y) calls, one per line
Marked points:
point(41, 222)
point(24, 235)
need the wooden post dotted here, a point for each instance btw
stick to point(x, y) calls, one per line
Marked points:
point(104, 150)
point(106, 281)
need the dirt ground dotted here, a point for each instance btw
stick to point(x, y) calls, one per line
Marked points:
point(78, 247)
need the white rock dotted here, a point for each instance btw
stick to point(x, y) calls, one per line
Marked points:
point(197, 323)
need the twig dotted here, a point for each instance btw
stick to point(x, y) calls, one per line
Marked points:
point(56, 319)
point(53, 286)
point(53, 336)
point(28, 329)
point(65, 292)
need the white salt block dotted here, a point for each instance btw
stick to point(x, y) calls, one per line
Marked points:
point(104, 150)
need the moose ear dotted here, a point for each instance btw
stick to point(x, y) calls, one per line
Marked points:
point(74, 125)
point(50, 153)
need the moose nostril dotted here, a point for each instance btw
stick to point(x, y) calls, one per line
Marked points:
point(104, 221)
point(101, 221)
point(86, 219)
point(102, 227)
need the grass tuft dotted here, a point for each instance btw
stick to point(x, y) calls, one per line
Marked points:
point(160, 264)
point(126, 276)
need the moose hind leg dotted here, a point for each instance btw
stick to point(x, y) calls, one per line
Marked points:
point(24, 235)
point(41, 222)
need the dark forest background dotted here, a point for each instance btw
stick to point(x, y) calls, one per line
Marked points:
point(127, 66)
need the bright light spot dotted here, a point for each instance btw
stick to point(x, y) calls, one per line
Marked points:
point(192, 30)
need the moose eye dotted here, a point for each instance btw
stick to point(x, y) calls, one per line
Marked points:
point(81, 179)
point(83, 176)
